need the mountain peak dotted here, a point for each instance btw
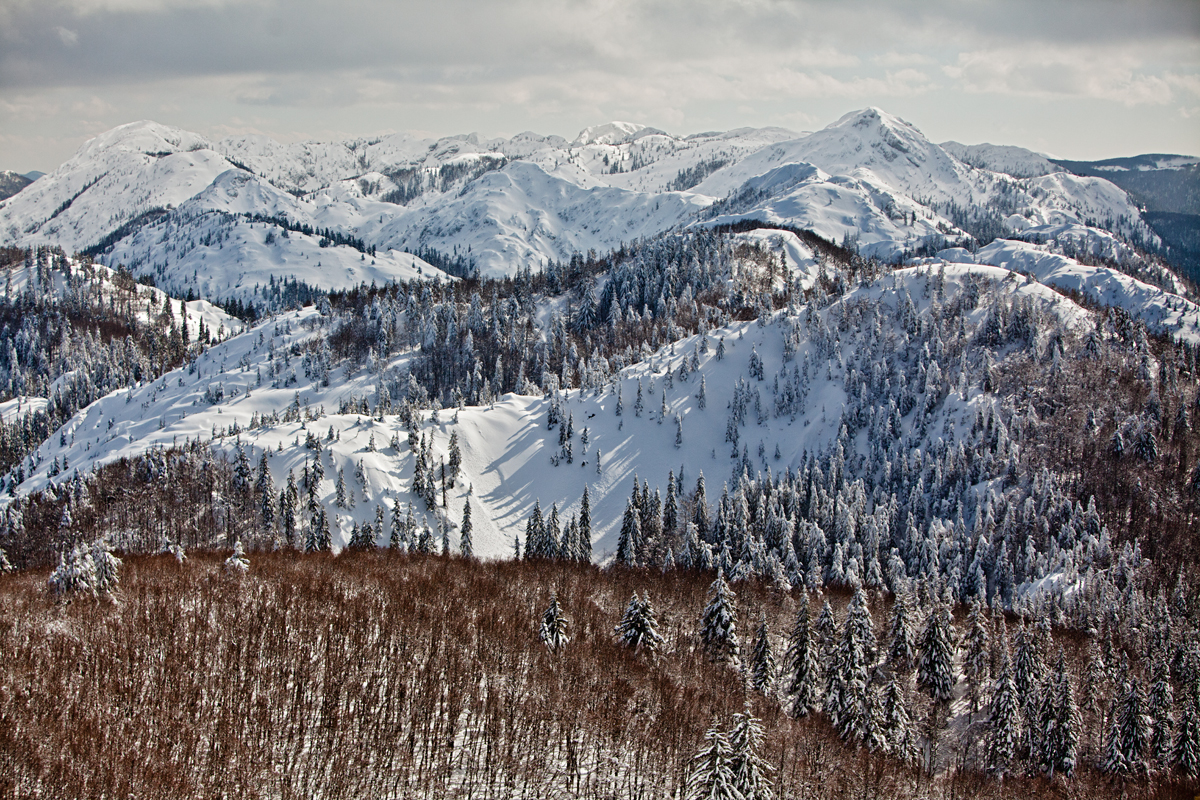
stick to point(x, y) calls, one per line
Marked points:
point(613, 133)
point(144, 136)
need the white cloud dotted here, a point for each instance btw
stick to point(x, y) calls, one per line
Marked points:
point(69, 38)
point(1118, 76)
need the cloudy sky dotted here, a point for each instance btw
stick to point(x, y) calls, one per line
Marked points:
point(1082, 79)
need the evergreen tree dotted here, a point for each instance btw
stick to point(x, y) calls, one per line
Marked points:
point(718, 624)
point(638, 627)
point(1059, 724)
point(553, 631)
point(237, 563)
point(1029, 675)
point(711, 776)
point(802, 665)
point(288, 499)
point(629, 541)
point(362, 537)
point(1004, 720)
point(750, 771)
point(398, 539)
point(896, 723)
point(317, 538)
point(1186, 756)
point(847, 699)
point(1128, 742)
point(340, 497)
point(900, 653)
point(977, 660)
point(585, 527)
point(266, 493)
point(1159, 708)
point(935, 664)
point(455, 463)
point(465, 546)
point(105, 566)
point(762, 660)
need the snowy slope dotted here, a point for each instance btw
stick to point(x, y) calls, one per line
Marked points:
point(511, 460)
point(1160, 310)
point(1015, 161)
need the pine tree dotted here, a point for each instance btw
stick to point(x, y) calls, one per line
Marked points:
point(1128, 742)
point(1028, 676)
point(455, 463)
point(1058, 737)
point(977, 660)
point(105, 566)
point(802, 665)
point(465, 546)
point(425, 538)
point(1004, 720)
point(848, 701)
point(398, 539)
point(1186, 756)
point(75, 573)
point(901, 653)
point(711, 776)
point(1159, 709)
point(718, 624)
point(750, 771)
point(701, 396)
point(629, 541)
point(762, 660)
point(288, 499)
point(362, 537)
point(340, 490)
point(935, 665)
point(896, 723)
point(585, 527)
point(553, 631)
point(638, 627)
point(266, 493)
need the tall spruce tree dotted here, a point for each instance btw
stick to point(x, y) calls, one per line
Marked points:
point(711, 776)
point(801, 663)
point(718, 624)
point(762, 660)
point(751, 773)
point(935, 663)
point(465, 545)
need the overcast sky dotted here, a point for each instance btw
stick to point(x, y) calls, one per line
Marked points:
point(1082, 79)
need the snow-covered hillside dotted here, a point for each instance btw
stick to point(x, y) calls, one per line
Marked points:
point(146, 195)
point(252, 392)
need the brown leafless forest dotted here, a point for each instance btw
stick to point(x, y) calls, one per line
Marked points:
point(378, 674)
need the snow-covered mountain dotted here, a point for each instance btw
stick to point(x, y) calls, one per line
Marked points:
point(258, 391)
point(11, 183)
point(150, 197)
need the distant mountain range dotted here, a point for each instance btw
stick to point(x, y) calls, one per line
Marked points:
point(468, 205)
